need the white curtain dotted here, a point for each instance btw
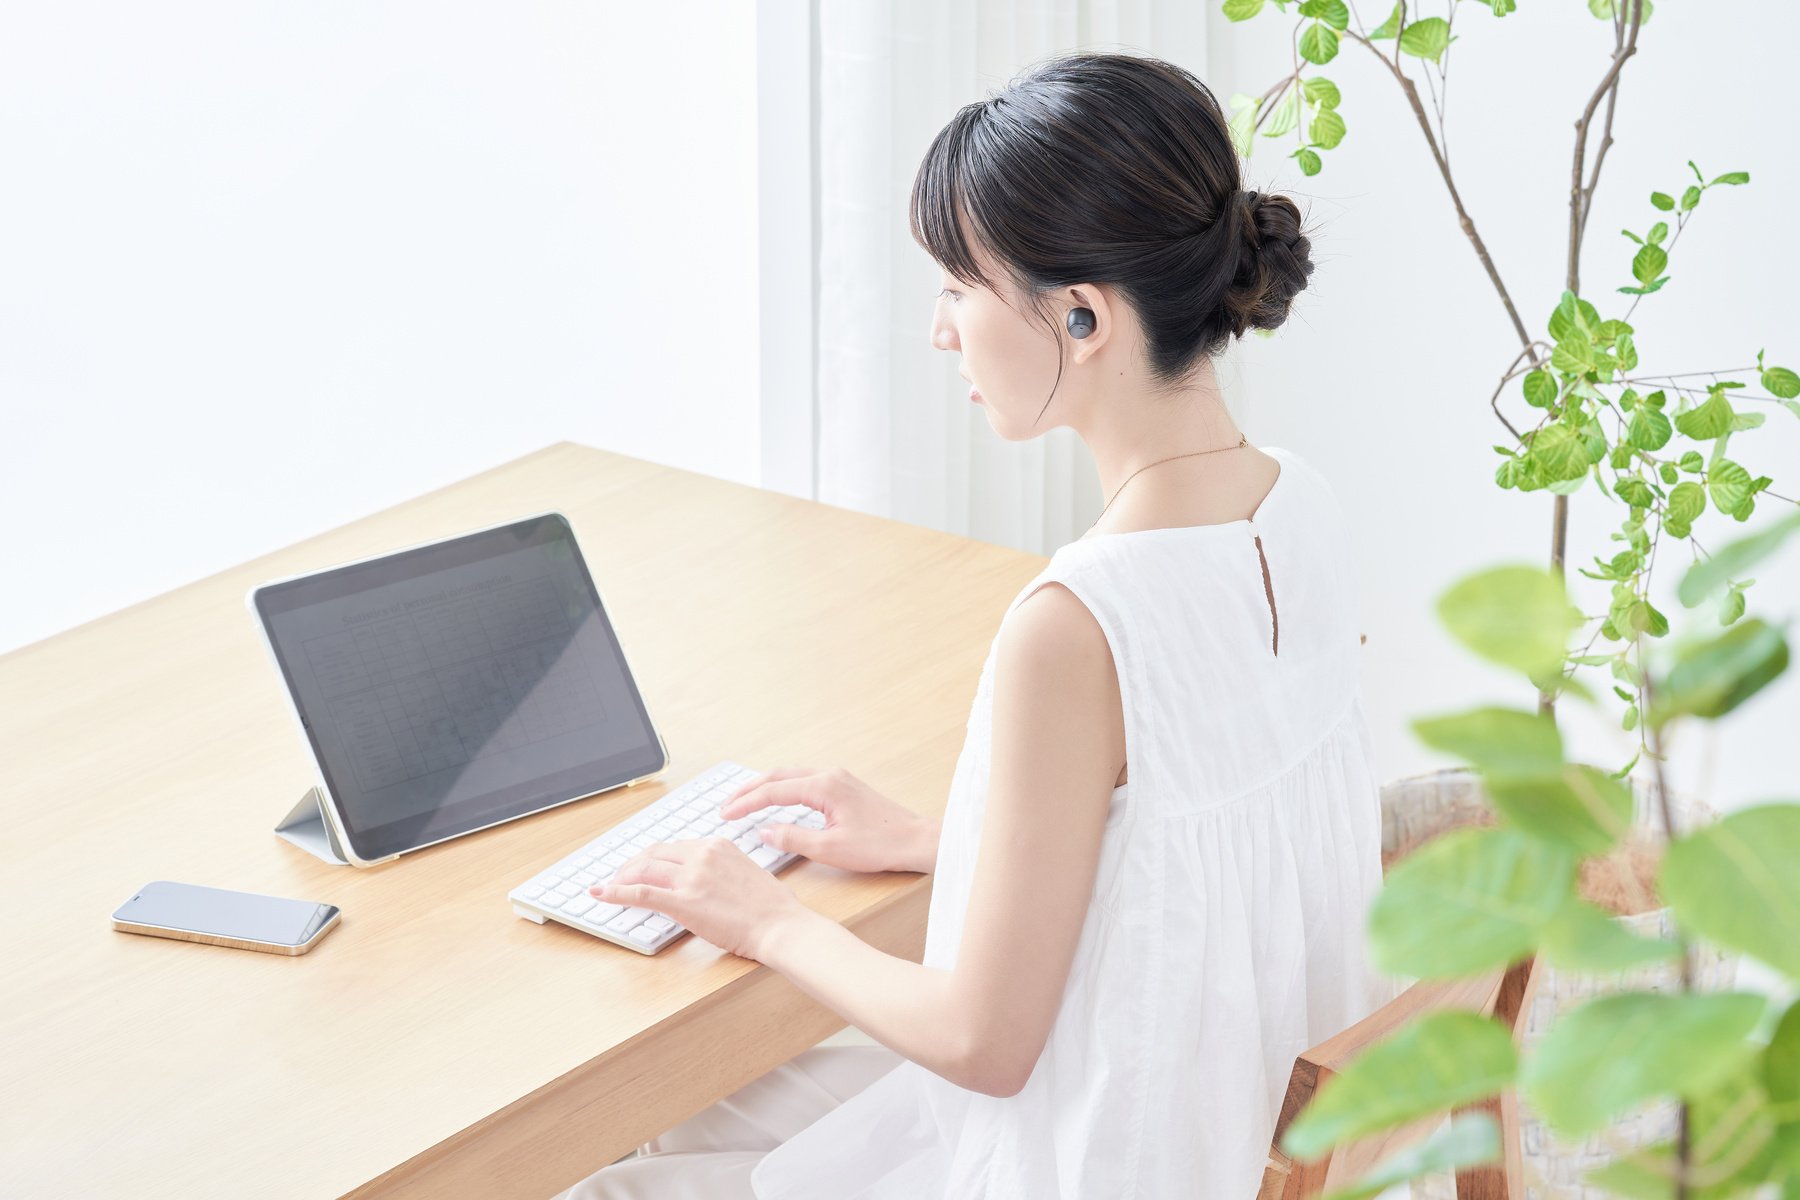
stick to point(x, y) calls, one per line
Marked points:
point(897, 435)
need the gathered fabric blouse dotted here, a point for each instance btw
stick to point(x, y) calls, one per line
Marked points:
point(1225, 934)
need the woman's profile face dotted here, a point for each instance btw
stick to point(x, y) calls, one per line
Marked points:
point(1009, 359)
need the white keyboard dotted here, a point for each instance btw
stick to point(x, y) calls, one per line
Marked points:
point(560, 893)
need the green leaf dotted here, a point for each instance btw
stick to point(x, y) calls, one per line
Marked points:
point(1585, 937)
point(1731, 605)
point(1389, 27)
point(1604, 10)
point(1734, 559)
point(1686, 501)
point(1242, 10)
point(1426, 38)
point(1468, 900)
point(1319, 44)
point(1711, 678)
point(1706, 420)
point(1321, 91)
point(1692, 462)
point(1690, 198)
point(1733, 882)
point(1662, 200)
point(1735, 1144)
point(1309, 160)
point(1728, 484)
point(1649, 263)
point(1732, 177)
point(1779, 381)
point(1284, 114)
point(1781, 1063)
point(1573, 313)
point(1615, 1052)
point(1657, 233)
point(1500, 742)
point(1442, 1060)
point(1540, 388)
point(1334, 13)
point(1558, 451)
point(1517, 616)
point(1647, 429)
point(1327, 129)
point(1470, 1139)
point(1626, 350)
point(1583, 808)
point(1635, 492)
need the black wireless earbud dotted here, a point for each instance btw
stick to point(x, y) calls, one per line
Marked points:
point(1081, 322)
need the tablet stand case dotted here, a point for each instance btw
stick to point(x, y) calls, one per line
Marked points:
point(306, 827)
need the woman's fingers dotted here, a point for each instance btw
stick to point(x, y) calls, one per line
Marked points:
point(763, 791)
point(658, 873)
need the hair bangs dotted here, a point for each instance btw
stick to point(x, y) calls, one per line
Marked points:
point(939, 214)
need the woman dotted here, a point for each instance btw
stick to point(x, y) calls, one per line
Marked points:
point(1163, 832)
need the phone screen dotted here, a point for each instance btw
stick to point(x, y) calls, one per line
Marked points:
point(226, 913)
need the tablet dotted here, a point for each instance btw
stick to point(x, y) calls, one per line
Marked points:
point(456, 684)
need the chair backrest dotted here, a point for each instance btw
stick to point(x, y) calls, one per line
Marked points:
point(1504, 994)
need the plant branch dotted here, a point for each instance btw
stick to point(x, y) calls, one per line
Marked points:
point(1577, 198)
point(1462, 213)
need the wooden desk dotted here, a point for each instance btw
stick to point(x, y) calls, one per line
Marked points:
point(436, 1044)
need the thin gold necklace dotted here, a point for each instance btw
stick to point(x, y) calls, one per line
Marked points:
point(1243, 440)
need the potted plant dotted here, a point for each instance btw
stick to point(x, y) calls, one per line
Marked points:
point(1654, 445)
point(1488, 894)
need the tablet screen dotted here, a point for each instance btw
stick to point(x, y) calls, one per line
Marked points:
point(454, 685)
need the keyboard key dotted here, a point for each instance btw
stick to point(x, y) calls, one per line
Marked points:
point(601, 913)
point(628, 920)
point(551, 900)
point(658, 922)
point(645, 936)
point(568, 888)
point(812, 820)
point(585, 879)
point(764, 856)
point(531, 891)
point(576, 905)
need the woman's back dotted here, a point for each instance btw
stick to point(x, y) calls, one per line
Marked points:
point(1225, 935)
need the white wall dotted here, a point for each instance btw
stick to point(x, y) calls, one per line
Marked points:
point(266, 268)
point(1382, 376)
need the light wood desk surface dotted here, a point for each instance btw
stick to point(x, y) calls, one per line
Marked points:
point(435, 1044)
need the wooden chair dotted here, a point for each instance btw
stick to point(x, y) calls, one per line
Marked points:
point(1503, 993)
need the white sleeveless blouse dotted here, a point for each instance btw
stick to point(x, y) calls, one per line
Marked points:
point(1226, 931)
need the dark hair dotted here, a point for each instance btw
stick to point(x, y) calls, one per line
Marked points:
point(1119, 169)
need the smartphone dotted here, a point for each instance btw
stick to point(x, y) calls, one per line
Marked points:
point(217, 917)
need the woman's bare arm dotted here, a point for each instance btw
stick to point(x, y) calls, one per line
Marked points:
point(1058, 743)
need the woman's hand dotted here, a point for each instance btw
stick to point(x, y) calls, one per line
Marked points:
point(709, 886)
point(864, 830)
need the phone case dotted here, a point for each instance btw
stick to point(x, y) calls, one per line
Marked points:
point(213, 939)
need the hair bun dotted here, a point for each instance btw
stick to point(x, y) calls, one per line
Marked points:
point(1275, 264)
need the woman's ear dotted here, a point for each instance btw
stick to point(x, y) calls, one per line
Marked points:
point(1098, 301)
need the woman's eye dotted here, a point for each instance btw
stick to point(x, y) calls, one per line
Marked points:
point(949, 293)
